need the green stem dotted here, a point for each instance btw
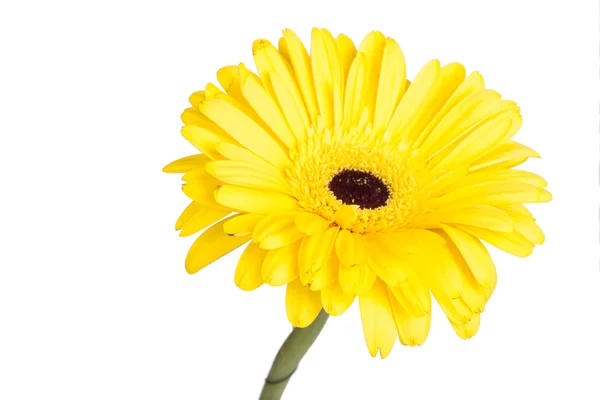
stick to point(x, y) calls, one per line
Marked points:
point(289, 356)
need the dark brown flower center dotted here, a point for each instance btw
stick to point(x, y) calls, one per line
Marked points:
point(359, 187)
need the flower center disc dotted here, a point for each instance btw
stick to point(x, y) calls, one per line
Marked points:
point(359, 187)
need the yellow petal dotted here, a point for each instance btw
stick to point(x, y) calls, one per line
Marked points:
point(281, 265)
point(302, 67)
point(413, 296)
point(427, 254)
point(468, 330)
point(229, 79)
point(392, 84)
point(241, 224)
point(277, 76)
point(477, 142)
point(187, 214)
point(346, 216)
point(351, 248)
point(372, 47)
point(335, 300)
point(205, 139)
point(314, 253)
point(513, 243)
point(460, 118)
point(245, 174)
point(301, 304)
point(248, 271)
point(356, 91)
point(412, 331)
point(481, 216)
point(202, 193)
point(328, 76)
point(378, 322)
point(507, 155)
point(277, 231)
point(196, 97)
point(475, 254)
point(383, 259)
point(310, 223)
point(529, 229)
point(288, 235)
point(224, 112)
point(357, 279)
point(413, 100)
point(266, 107)
point(452, 76)
point(272, 224)
point(211, 245)
point(347, 52)
point(186, 163)
point(205, 217)
point(291, 105)
point(254, 201)
point(238, 153)
point(327, 274)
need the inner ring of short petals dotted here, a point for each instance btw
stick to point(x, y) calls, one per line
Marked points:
point(360, 188)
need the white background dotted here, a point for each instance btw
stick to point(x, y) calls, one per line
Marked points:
point(95, 302)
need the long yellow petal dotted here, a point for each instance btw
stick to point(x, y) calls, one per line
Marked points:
point(357, 279)
point(277, 231)
point(241, 224)
point(322, 75)
point(245, 174)
point(413, 295)
point(391, 86)
point(301, 304)
point(412, 331)
point(481, 216)
point(383, 259)
point(253, 201)
point(302, 67)
point(238, 153)
point(310, 223)
point(335, 300)
point(205, 217)
point(281, 265)
point(372, 47)
point(202, 193)
point(426, 254)
point(291, 105)
point(379, 326)
point(475, 254)
point(224, 112)
point(472, 84)
point(347, 52)
point(513, 243)
point(205, 139)
point(187, 214)
point(468, 330)
point(266, 107)
point(211, 245)
point(477, 142)
point(351, 248)
point(506, 156)
point(413, 100)
point(314, 253)
point(327, 274)
point(248, 271)
point(186, 163)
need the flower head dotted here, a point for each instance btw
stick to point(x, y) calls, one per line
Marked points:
point(349, 181)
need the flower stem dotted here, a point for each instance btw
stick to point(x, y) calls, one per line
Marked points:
point(289, 356)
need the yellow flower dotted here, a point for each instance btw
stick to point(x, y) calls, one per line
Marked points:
point(350, 181)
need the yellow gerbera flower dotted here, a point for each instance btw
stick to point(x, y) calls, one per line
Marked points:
point(350, 181)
